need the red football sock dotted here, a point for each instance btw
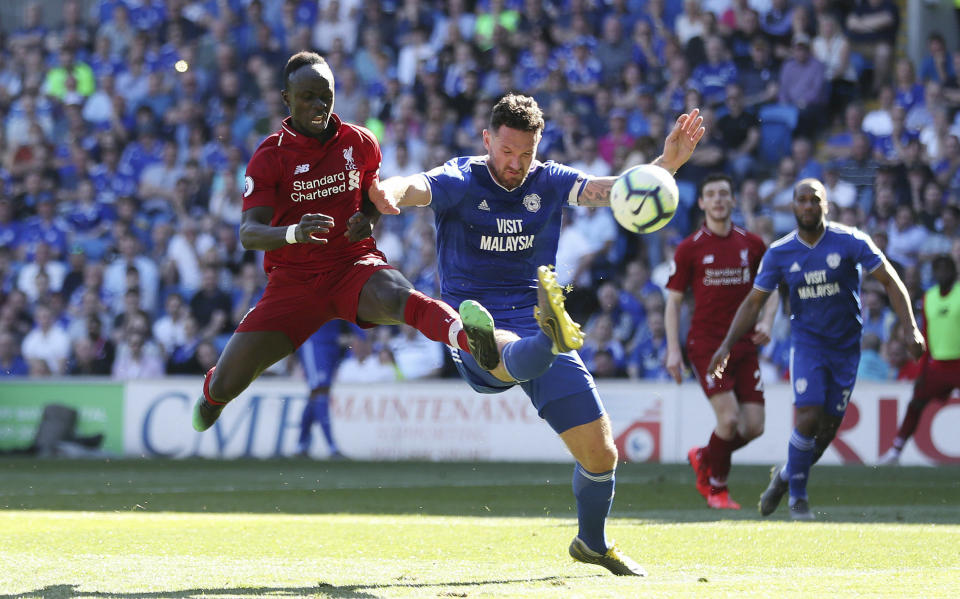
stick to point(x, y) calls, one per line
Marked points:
point(909, 424)
point(718, 453)
point(206, 389)
point(435, 319)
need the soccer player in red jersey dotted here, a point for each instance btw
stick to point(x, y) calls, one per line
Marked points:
point(940, 373)
point(304, 190)
point(719, 261)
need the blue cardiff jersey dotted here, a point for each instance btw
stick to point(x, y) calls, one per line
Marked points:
point(824, 282)
point(490, 241)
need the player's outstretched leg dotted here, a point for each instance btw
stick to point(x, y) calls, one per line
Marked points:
point(907, 427)
point(478, 326)
point(206, 410)
point(551, 314)
point(774, 492)
point(614, 559)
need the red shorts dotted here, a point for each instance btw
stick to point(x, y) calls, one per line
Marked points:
point(742, 374)
point(937, 379)
point(298, 303)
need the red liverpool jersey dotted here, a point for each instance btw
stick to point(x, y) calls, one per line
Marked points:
point(721, 272)
point(295, 175)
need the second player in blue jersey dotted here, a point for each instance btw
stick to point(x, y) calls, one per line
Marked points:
point(821, 264)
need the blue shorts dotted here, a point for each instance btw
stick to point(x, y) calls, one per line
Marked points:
point(320, 355)
point(566, 396)
point(822, 377)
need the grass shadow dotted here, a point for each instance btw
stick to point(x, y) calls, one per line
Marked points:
point(351, 591)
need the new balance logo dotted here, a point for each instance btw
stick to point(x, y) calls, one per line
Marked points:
point(483, 206)
point(795, 267)
point(301, 168)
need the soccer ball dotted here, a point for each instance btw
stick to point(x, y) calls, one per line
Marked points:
point(644, 198)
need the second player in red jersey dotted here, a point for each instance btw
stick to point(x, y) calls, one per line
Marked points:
point(718, 262)
point(303, 196)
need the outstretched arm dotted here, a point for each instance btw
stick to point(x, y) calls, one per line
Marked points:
point(677, 148)
point(900, 301)
point(744, 321)
point(388, 195)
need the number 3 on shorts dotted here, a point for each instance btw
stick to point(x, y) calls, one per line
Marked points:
point(844, 401)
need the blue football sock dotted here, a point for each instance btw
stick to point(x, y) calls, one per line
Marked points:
point(321, 414)
point(594, 493)
point(527, 358)
point(799, 460)
point(306, 423)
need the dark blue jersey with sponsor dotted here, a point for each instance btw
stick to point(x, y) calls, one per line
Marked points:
point(824, 283)
point(491, 240)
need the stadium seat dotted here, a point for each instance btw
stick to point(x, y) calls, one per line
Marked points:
point(777, 122)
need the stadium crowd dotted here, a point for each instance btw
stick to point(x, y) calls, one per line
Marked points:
point(127, 126)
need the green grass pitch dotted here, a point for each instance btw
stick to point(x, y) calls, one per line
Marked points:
point(157, 529)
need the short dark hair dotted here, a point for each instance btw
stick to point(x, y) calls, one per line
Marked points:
point(517, 112)
point(300, 59)
point(714, 177)
point(943, 260)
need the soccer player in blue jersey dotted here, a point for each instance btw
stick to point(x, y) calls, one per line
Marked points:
point(498, 222)
point(821, 263)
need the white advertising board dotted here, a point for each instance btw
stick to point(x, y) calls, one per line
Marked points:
point(446, 420)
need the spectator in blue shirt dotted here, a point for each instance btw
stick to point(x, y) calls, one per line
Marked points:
point(759, 75)
point(613, 50)
point(583, 70)
point(802, 84)
point(600, 338)
point(909, 91)
point(647, 360)
point(937, 65)
point(777, 23)
point(713, 76)
point(46, 227)
point(11, 360)
point(872, 365)
point(872, 26)
point(9, 226)
point(146, 150)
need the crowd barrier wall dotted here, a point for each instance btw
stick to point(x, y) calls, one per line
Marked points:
point(446, 420)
